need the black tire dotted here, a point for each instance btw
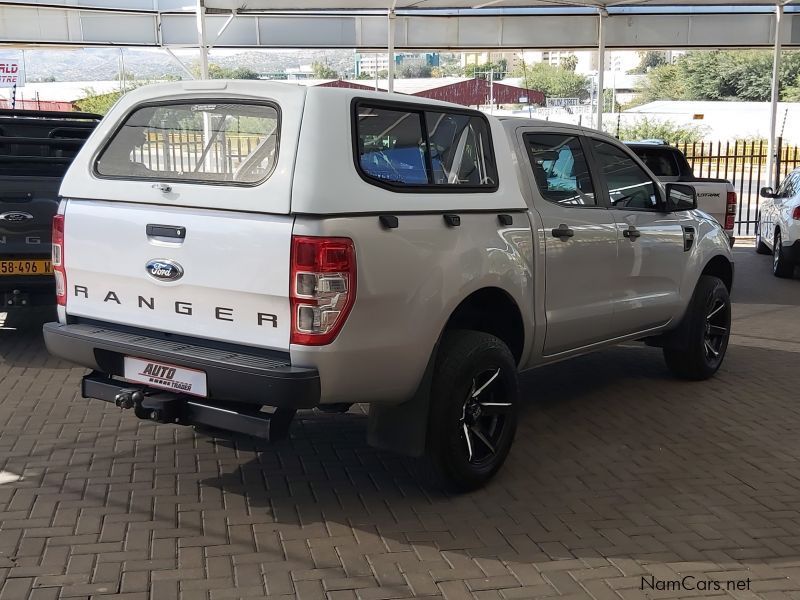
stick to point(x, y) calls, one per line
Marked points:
point(781, 266)
point(474, 398)
point(703, 333)
point(761, 247)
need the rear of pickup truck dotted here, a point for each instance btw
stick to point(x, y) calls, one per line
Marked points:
point(172, 253)
point(715, 196)
point(36, 147)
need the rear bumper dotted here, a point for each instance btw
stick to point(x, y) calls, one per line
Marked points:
point(231, 376)
point(37, 290)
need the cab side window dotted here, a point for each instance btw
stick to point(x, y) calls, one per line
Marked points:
point(629, 186)
point(560, 169)
point(790, 186)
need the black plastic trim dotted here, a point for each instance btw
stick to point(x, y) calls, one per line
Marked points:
point(231, 376)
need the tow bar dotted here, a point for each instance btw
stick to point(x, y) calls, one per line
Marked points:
point(180, 409)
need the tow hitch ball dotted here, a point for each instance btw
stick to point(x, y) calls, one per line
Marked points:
point(128, 398)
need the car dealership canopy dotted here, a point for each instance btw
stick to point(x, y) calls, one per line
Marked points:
point(387, 25)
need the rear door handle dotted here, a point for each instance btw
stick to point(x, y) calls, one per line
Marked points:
point(562, 232)
point(631, 233)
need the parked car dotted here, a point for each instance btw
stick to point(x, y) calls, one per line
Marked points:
point(715, 196)
point(778, 225)
point(36, 147)
point(227, 246)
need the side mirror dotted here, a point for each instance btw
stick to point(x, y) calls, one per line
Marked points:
point(768, 192)
point(680, 197)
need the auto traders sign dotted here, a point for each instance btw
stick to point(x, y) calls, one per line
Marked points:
point(10, 73)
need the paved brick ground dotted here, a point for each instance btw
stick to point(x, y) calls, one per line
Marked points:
point(619, 472)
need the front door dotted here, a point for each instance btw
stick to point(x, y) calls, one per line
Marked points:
point(579, 237)
point(651, 255)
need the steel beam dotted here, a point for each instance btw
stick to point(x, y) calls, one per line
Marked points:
point(775, 94)
point(22, 25)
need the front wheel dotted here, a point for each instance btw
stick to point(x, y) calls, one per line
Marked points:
point(706, 330)
point(473, 412)
point(781, 265)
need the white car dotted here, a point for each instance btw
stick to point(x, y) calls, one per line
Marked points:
point(778, 225)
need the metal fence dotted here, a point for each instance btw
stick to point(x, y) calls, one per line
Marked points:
point(744, 164)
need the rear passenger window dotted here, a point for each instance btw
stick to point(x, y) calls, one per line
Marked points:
point(458, 146)
point(391, 147)
point(431, 149)
point(661, 161)
point(560, 169)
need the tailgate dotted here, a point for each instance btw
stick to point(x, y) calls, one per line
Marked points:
point(27, 206)
point(226, 278)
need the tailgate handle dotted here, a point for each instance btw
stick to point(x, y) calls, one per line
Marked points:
point(167, 231)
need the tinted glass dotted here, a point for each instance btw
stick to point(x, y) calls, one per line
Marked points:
point(661, 161)
point(629, 186)
point(391, 146)
point(460, 150)
point(218, 143)
point(560, 169)
point(790, 185)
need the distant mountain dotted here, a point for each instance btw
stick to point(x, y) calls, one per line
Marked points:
point(97, 64)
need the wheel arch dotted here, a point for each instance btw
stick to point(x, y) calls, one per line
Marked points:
point(719, 266)
point(491, 310)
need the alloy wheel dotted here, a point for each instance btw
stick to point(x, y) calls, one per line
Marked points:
point(716, 329)
point(483, 416)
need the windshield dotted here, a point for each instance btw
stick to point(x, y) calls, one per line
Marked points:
point(227, 143)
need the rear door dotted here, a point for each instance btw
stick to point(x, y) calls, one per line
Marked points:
point(651, 242)
point(187, 259)
point(580, 242)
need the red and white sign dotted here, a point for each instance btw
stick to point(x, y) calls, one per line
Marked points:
point(10, 73)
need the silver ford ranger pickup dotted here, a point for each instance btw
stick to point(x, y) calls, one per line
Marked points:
point(227, 253)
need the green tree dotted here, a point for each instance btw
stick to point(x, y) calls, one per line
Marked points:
point(499, 68)
point(323, 71)
point(721, 75)
point(661, 83)
point(97, 103)
point(569, 62)
point(648, 60)
point(554, 82)
point(414, 71)
point(647, 129)
point(216, 71)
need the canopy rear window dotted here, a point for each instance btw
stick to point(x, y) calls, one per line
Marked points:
point(230, 143)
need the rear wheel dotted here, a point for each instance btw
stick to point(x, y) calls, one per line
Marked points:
point(473, 413)
point(706, 330)
point(761, 247)
point(781, 265)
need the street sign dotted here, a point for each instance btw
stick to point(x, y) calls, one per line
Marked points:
point(10, 73)
point(562, 102)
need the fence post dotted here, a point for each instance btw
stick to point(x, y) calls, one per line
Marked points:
point(778, 153)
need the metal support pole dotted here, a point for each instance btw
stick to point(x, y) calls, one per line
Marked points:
point(390, 48)
point(601, 66)
point(773, 109)
point(201, 38)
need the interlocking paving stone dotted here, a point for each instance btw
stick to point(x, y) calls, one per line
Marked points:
point(619, 472)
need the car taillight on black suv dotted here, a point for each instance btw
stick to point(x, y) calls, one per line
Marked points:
point(58, 260)
point(323, 287)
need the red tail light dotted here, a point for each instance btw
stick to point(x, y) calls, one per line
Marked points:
point(796, 213)
point(730, 211)
point(58, 260)
point(323, 287)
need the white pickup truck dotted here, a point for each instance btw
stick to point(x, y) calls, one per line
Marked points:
point(223, 248)
point(715, 196)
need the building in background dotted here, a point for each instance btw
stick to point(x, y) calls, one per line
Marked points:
point(370, 63)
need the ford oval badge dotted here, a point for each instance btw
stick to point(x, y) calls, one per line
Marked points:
point(164, 270)
point(16, 217)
